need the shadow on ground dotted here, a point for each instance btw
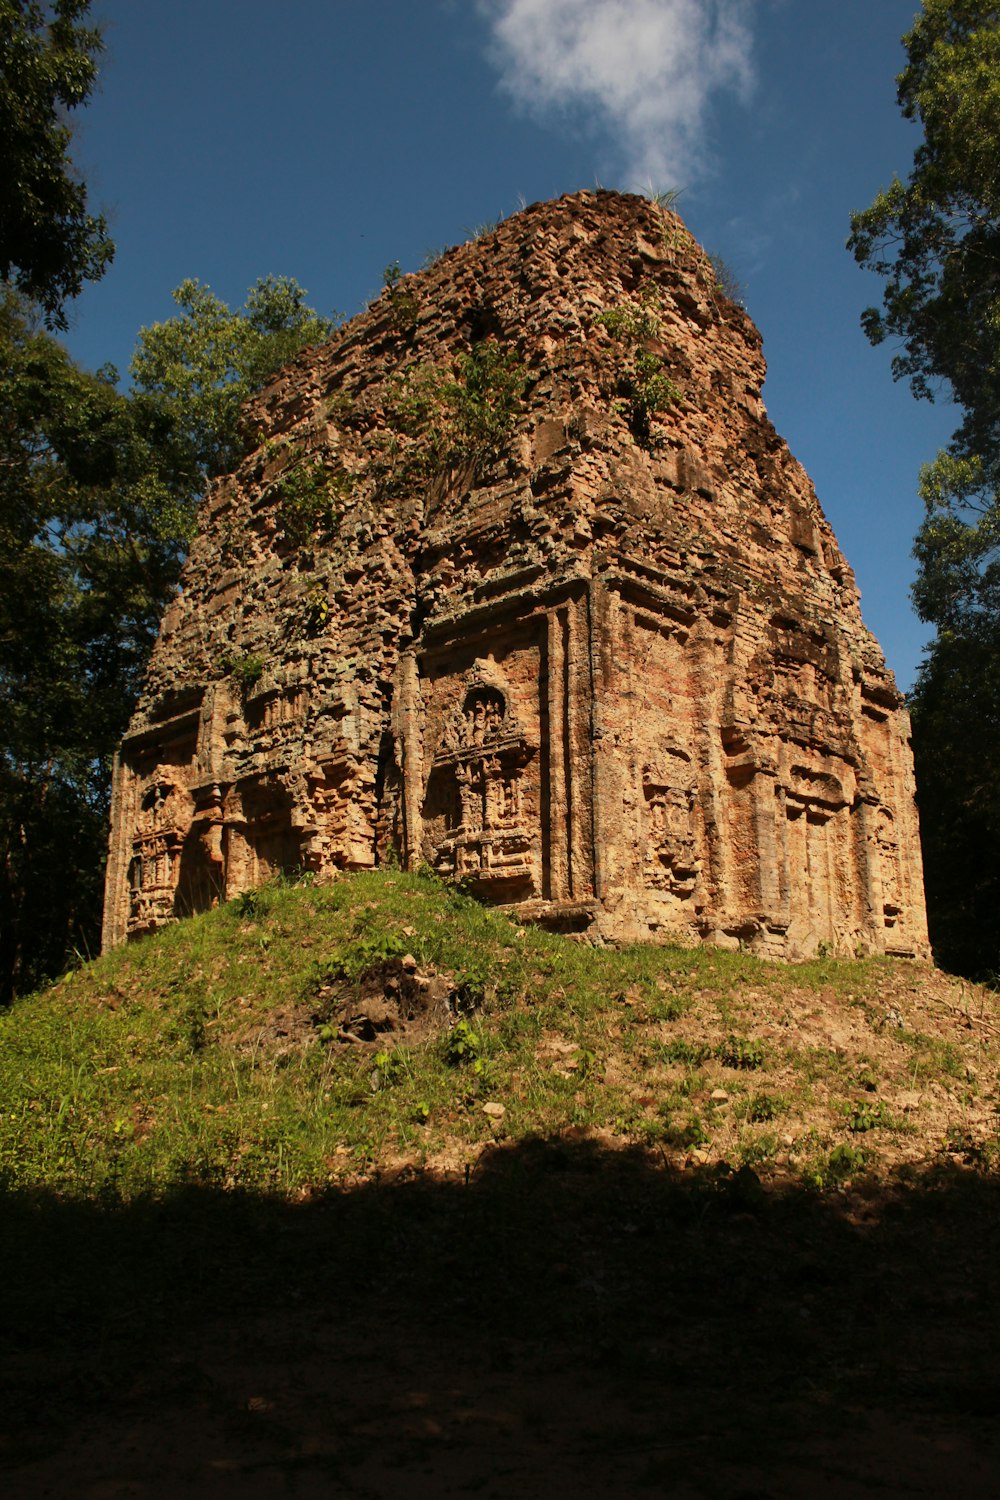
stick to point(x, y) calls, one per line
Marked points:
point(570, 1320)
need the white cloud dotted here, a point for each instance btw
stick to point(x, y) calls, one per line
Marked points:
point(645, 70)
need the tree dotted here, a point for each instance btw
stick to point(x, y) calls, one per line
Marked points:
point(98, 497)
point(49, 244)
point(89, 554)
point(201, 367)
point(936, 240)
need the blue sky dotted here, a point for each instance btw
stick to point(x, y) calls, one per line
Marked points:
point(325, 139)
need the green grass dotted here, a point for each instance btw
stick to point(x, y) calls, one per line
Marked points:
point(208, 1054)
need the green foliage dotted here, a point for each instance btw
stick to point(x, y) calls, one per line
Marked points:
point(868, 1114)
point(645, 386)
point(404, 305)
point(98, 497)
point(935, 238)
point(936, 241)
point(317, 609)
point(956, 747)
point(454, 416)
point(202, 365)
point(463, 1044)
point(308, 495)
point(90, 510)
point(758, 1150)
point(633, 321)
point(761, 1107)
point(665, 201)
point(690, 1054)
point(246, 671)
point(845, 1160)
point(211, 1052)
point(390, 1068)
point(49, 244)
point(689, 1131)
point(741, 1052)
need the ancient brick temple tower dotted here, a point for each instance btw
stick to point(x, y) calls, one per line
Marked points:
point(519, 581)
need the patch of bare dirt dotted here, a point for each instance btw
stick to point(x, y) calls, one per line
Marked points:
point(393, 1000)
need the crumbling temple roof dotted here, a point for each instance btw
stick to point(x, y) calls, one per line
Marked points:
point(517, 580)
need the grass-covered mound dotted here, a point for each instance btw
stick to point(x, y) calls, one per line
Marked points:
point(364, 1190)
point(302, 1036)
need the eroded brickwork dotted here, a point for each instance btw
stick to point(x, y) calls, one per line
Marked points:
point(610, 667)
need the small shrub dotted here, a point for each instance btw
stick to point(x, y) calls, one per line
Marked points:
point(245, 671)
point(728, 285)
point(404, 305)
point(307, 495)
point(868, 1114)
point(671, 1009)
point(463, 414)
point(317, 609)
point(689, 1132)
point(632, 321)
point(354, 959)
point(845, 1161)
point(249, 905)
point(689, 1054)
point(646, 387)
point(758, 1150)
point(740, 1052)
point(463, 1044)
point(760, 1108)
point(389, 1069)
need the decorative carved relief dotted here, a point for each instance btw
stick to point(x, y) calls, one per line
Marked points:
point(888, 848)
point(819, 794)
point(274, 710)
point(165, 809)
point(262, 816)
point(475, 797)
point(672, 863)
point(201, 872)
point(679, 637)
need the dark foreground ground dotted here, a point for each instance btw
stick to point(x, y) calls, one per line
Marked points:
point(573, 1320)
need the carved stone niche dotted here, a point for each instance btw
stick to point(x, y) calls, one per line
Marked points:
point(261, 839)
point(165, 810)
point(477, 827)
point(816, 793)
point(338, 834)
point(672, 863)
point(888, 849)
point(275, 710)
point(201, 875)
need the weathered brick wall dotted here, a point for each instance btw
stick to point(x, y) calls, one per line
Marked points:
point(613, 670)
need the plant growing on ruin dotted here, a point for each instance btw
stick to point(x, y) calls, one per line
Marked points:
point(317, 608)
point(631, 322)
point(453, 415)
point(244, 671)
point(665, 201)
point(488, 385)
point(307, 499)
point(726, 282)
point(673, 234)
point(646, 388)
point(403, 303)
point(488, 226)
